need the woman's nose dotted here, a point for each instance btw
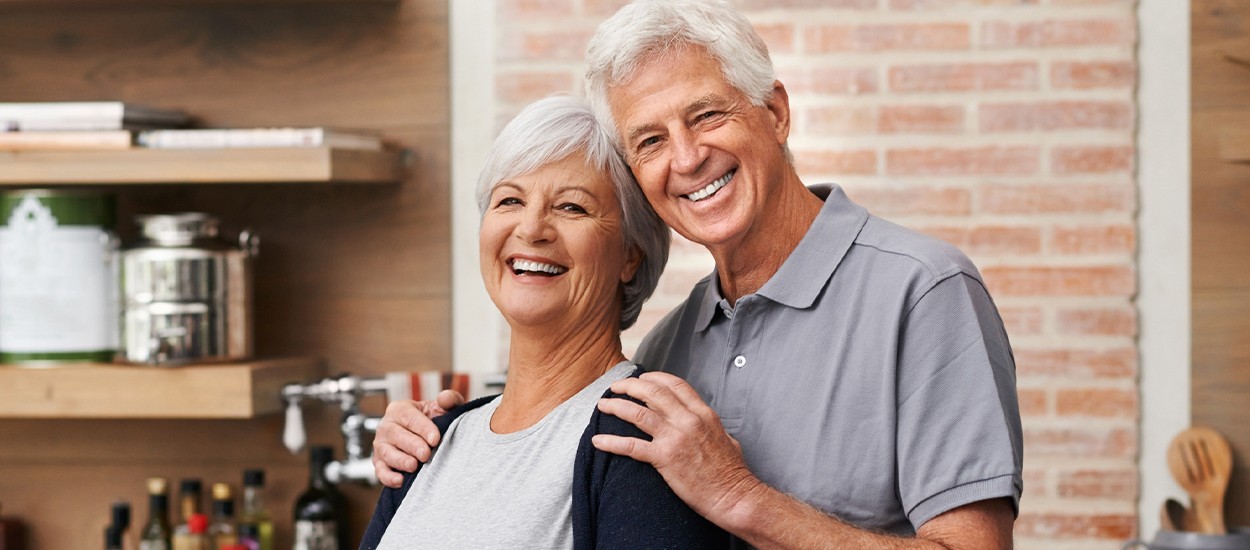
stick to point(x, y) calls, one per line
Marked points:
point(535, 225)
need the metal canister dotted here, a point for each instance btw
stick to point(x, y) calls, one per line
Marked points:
point(187, 292)
point(58, 277)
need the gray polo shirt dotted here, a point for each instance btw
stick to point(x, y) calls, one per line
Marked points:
point(870, 377)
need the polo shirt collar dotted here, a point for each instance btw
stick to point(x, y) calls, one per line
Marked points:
point(803, 275)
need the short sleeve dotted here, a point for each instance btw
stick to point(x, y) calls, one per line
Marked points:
point(959, 435)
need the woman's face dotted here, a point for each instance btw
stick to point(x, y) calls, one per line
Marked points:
point(551, 249)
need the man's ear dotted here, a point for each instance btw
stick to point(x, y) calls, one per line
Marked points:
point(779, 105)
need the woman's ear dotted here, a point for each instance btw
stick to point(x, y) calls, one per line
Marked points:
point(633, 260)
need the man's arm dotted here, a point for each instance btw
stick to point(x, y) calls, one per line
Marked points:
point(406, 436)
point(705, 468)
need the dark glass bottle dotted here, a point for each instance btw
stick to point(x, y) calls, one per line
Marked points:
point(156, 533)
point(321, 511)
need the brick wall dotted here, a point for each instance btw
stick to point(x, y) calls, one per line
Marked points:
point(1003, 126)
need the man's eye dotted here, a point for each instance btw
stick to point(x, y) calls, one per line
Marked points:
point(570, 207)
point(708, 114)
point(648, 142)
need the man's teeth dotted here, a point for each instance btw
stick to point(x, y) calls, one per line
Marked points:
point(529, 265)
point(711, 188)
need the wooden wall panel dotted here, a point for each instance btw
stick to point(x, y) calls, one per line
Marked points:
point(1221, 237)
point(359, 275)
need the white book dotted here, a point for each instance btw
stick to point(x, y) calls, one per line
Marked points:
point(65, 140)
point(225, 138)
point(86, 115)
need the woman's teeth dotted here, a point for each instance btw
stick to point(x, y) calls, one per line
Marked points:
point(520, 266)
point(712, 188)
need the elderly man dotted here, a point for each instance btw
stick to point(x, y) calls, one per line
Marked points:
point(847, 382)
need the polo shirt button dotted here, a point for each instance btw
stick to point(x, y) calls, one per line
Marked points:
point(740, 361)
point(728, 313)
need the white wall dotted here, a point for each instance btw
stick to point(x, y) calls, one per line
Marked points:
point(1163, 224)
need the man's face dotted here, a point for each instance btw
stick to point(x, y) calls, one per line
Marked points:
point(707, 160)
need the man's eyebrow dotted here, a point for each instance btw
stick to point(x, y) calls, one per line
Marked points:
point(690, 108)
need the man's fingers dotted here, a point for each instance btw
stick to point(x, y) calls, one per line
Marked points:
point(681, 389)
point(449, 399)
point(387, 476)
point(634, 448)
point(635, 414)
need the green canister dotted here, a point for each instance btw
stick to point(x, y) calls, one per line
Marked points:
point(58, 277)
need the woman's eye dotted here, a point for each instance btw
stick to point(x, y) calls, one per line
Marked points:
point(570, 207)
point(507, 201)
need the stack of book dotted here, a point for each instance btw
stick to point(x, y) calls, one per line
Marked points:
point(77, 125)
point(120, 125)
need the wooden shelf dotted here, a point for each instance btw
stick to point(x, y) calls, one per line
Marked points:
point(223, 391)
point(166, 166)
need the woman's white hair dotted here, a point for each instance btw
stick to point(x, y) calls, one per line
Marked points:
point(553, 129)
point(644, 30)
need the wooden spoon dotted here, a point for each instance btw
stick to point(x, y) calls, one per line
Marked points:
point(1201, 461)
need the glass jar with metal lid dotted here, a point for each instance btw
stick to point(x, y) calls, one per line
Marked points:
point(187, 292)
point(58, 277)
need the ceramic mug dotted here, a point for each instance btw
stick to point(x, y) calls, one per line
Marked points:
point(1238, 539)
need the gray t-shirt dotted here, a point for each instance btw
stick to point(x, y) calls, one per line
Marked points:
point(487, 490)
point(870, 377)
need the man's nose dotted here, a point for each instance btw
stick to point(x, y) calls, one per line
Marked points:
point(688, 154)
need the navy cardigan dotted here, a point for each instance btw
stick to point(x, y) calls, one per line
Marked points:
point(618, 502)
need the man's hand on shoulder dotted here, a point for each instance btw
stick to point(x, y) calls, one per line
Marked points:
point(701, 462)
point(406, 436)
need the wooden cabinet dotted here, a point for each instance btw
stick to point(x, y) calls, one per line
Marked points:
point(200, 166)
point(357, 276)
point(225, 391)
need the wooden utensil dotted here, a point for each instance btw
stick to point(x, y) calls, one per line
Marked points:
point(1201, 461)
point(1174, 516)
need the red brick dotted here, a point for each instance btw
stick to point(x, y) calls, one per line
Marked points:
point(678, 280)
point(1057, 199)
point(1034, 483)
point(1104, 321)
point(602, 8)
point(921, 119)
point(527, 87)
point(1057, 115)
point(778, 36)
point(1098, 402)
point(991, 239)
point(1016, 280)
point(830, 80)
point(1080, 442)
point(1091, 160)
point(1021, 320)
point(1083, 75)
point(1099, 484)
point(1057, 32)
point(1032, 401)
point(941, 4)
point(858, 162)
point(822, 4)
point(511, 10)
point(840, 120)
point(968, 77)
point(544, 46)
point(872, 38)
point(913, 200)
point(940, 161)
point(1112, 527)
point(1117, 363)
point(1094, 239)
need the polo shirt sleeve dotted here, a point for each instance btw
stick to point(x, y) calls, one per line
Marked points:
point(959, 435)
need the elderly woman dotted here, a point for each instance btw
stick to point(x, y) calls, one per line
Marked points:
point(569, 250)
